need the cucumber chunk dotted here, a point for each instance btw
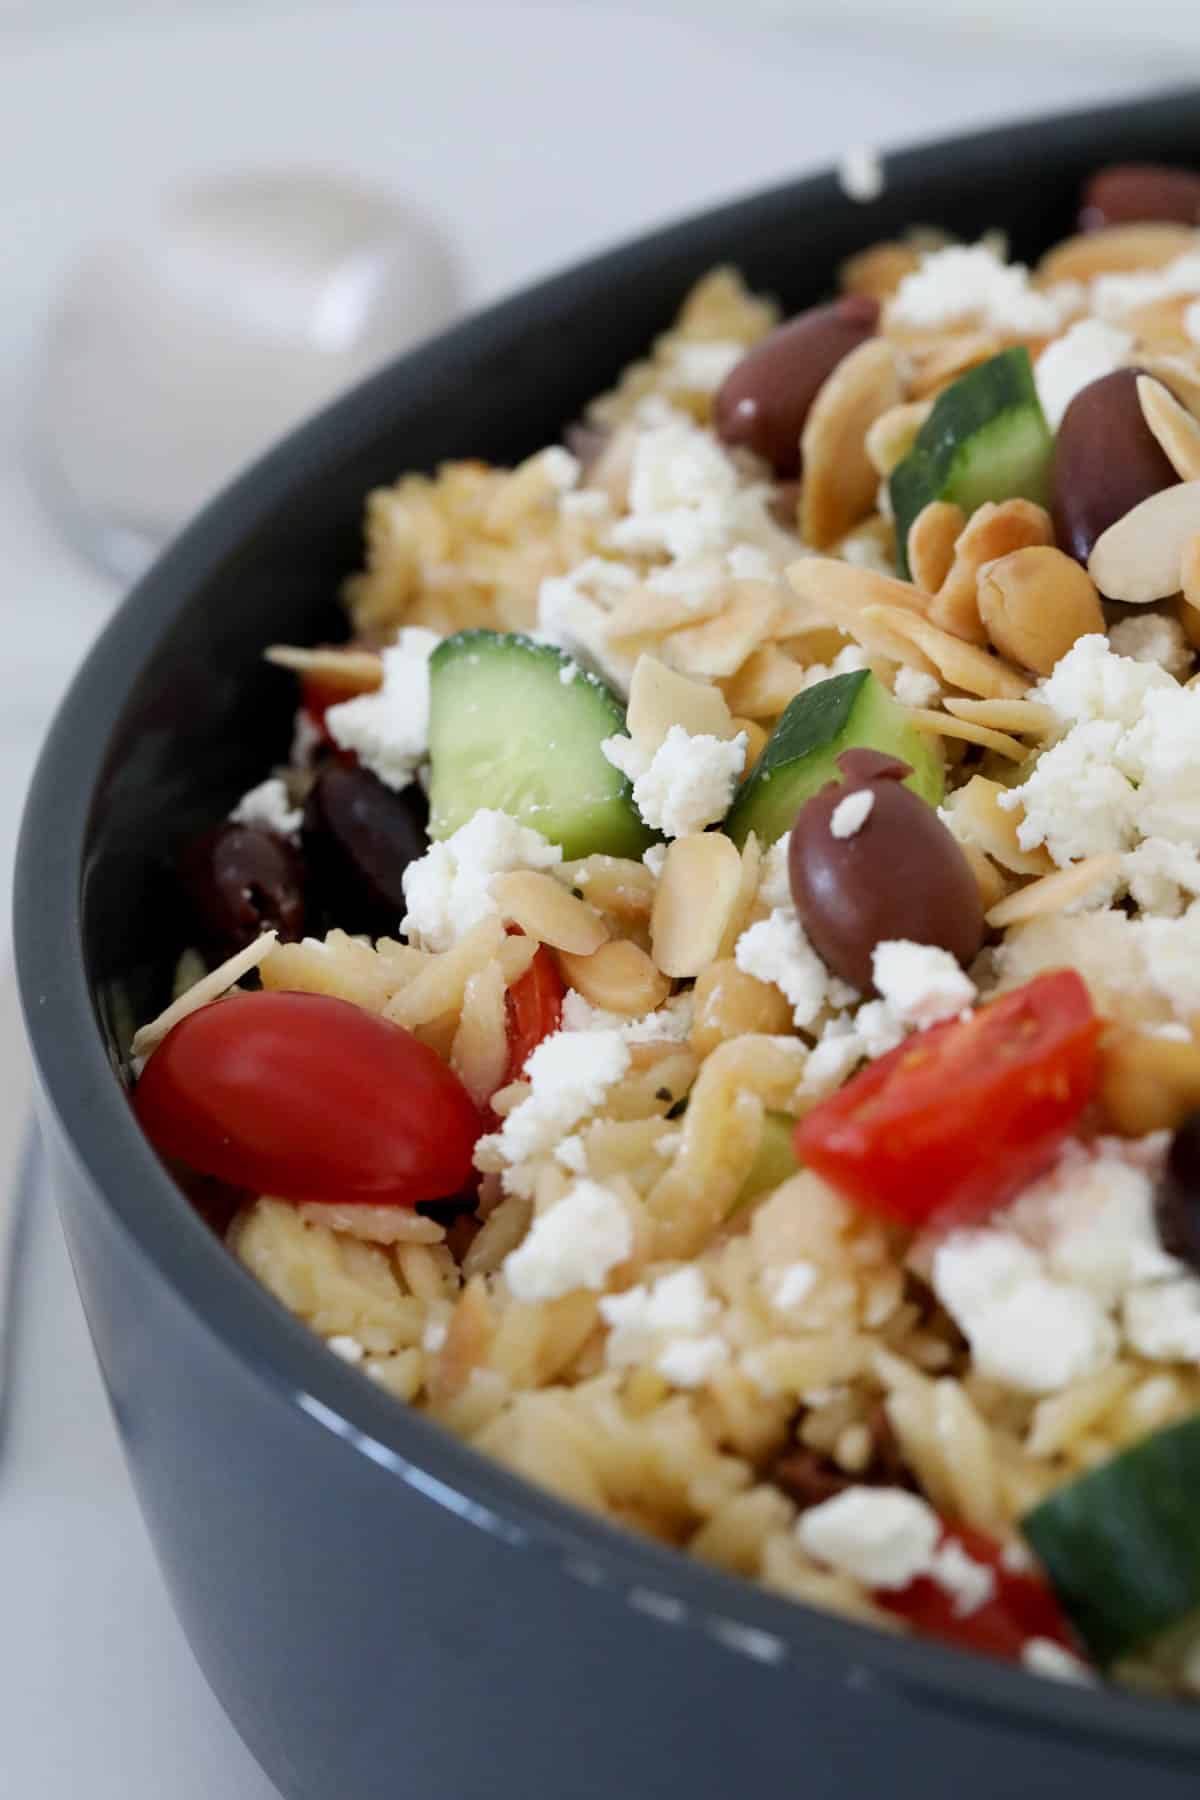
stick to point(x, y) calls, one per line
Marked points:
point(1122, 1543)
point(774, 1161)
point(986, 439)
point(847, 712)
point(517, 727)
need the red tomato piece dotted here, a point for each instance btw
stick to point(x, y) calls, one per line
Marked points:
point(308, 1098)
point(1022, 1605)
point(957, 1120)
point(534, 1006)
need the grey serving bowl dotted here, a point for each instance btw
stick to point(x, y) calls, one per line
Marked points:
point(381, 1611)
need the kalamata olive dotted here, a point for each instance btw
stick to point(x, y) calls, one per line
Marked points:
point(1106, 461)
point(359, 837)
point(764, 400)
point(1140, 193)
point(242, 881)
point(899, 874)
point(1177, 1203)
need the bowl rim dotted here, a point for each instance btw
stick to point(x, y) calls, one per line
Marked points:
point(96, 1125)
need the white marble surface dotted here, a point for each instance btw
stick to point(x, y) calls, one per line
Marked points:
point(515, 153)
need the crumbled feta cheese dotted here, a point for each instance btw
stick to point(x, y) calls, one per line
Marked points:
point(568, 673)
point(1171, 952)
point(838, 1050)
point(573, 614)
point(448, 890)
point(774, 881)
point(571, 1154)
point(970, 1584)
point(701, 367)
point(389, 729)
point(912, 687)
point(560, 468)
point(851, 814)
point(1025, 1330)
point(691, 1362)
point(970, 281)
point(920, 982)
point(586, 503)
point(860, 173)
point(1092, 682)
point(776, 950)
point(1076, 801)
point(1162, 1320)
point(569, 1074)
point(1042, 1656)
point(1162, 877)
point(686, 496)
point(847, 662)
point(1155, 638)
point(689, 781)
point(883, 1537)
point(1092, 1217)
point(1088, 350)
point(1115, 296)
point(677, 1306)
point(268, 806)
point(670, 1023)
point(347, 1347)
point(790, 1286)
point(747, 562)
point(655, 859)
point(576, 1244)
point(434, 1336)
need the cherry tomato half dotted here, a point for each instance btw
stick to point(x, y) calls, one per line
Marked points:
point(957, 1120)
point(308, 1098)
point(1022, 1605)
point(534, 1011)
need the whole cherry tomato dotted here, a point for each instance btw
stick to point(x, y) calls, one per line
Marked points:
point(308, 1098)
point(534, 1010)
point(956, 1121)
point(1022, 1605)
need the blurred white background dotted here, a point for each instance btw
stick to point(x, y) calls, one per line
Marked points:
point(501, 126)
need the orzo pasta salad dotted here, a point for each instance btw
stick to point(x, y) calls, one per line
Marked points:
point(708, 1007)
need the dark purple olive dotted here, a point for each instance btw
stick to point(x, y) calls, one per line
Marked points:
point(1138, 194)
point(242, 881)
point(1177, 1203)
point(899, 875)
point(359, 837)
point(764, 400)
point(1106, 461)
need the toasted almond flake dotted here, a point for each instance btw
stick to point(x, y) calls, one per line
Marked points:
point(696, 898)
point(1175, 428)
point(1160, 324)
point(545, 910)
point(840, 482)
point(619, 977)
point(721, 645)
point(994, 530)
point(1114, 250)
point(660, 697)
point(1189, 575)
point(1024, 718)
point(210, 988)
point(350, 671)
point(961, 664)
point(645, 613)
point(816, 579)
point(879, 269)
point(942, 359)
point(945, 725)
point(978, 818)
point(894, 433)
point(765, 683)
point(1056, 893)
point(990, 879)
point(612, 884)
point(747, 894)
point(931, 540)
point(1180, 373)
point(1140, 558)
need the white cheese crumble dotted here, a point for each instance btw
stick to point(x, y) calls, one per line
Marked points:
point(851, 814)
point(389, 730)
point(920, 982)
point(912, 687)
point(1155, 638)
point(1042, 1656)
point(687, 784)
point(655, 859)
point(448, 890)
point(268, 807)
point(860, 173)
point(569, 1073)
point(970, 281)
point(883, 1537)
point(346, 1347)
point(1114, 296)
point(970, 1584)
point(777, 951)
point(576, 1244)
point(790, 1286)
point(692, 1362)
point(1085, 352)
point(573, 614)
point(560, 468)
point(701, 367)
point(667, 1323)
point(687, 497)
point(1162, 1321)
point(671, 1023)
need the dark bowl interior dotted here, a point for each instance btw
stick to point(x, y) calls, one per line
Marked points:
point(174, 714)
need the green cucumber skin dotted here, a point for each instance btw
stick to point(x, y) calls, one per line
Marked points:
point(846, 712)
point(774, 1161)
point(986, 439)
point(1122, 1543)
point(506, 731)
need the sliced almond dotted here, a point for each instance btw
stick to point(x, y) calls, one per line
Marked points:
point(1179, 371)
point(1139, 559)
point(646, 613)
point(619, 977)
point(697, 892)
point(879, 269)
point(994, 530)
point(1056, 893)
point(946, 725)
point(350, 671)
point(931, 540)
point(721, 645)
point(1114, 250)
point(1189, 581)
point(840, 480)
point(979, 819)
point(1175, 428)
point(961, 664)
point(1024, 718)
point(1159, 324)
point(765, 683)
point(946, 357)
point(545, 910)
point(660, 697)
